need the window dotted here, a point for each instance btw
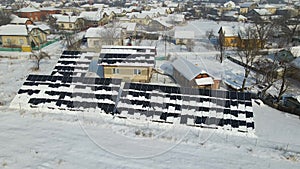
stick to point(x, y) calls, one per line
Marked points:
point(70, 25)
point(137, 71)
point(116, 71)
point(8, 41)
point(96, 43)
point(21, 42)
point(233, 41)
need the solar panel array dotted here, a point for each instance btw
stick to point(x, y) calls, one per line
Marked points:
point(122, 59)
point(67, 88)
point(187, 106)
point(68, 93)
point(72, 63)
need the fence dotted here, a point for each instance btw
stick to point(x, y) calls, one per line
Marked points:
point(45, 44)
point(11, 49)
point(34, 48)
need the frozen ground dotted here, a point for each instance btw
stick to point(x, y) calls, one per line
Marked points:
point(45, 140)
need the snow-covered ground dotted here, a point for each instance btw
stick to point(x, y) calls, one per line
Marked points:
point(43, 140)
point(56, 140)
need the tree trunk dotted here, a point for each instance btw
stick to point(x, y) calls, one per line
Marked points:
point(283, 86)
point(245, 79)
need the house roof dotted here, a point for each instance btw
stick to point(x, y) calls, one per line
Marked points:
point(17, 20)
point(28, 9)
point(204, 81)
point(262, 12)
point(295, 51)
point(98, 32)
point(13, 30)
point(229, 31)
point(127, 56)
point(229, 4)
point(65, 18)
point(184, 34)
point(129, 26)
point(246, 4)
point(186, 68)
point(91, 15)
point(49, 9)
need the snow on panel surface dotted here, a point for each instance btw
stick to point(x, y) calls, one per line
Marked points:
point(208, 108)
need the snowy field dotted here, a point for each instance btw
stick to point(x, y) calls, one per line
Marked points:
point(46, 140)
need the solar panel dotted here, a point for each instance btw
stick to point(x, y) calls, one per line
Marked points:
point(233, 95)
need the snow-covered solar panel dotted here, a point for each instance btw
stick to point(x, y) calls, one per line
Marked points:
point(68, 93)
point(211, 108)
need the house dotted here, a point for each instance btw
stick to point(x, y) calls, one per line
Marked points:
point(92, 18)
point(239, 37)
point(18, 36)
point(261, 14)
point(47, 11)
point(229, 5)
point(141, 18)
point(67, 22)
point(228, 36)
point(247, 6)
point(130, 29)
point(31, 13)
point(96, 37)
point(271, 8)
point(36, 14)
point(130, 63)
point(183, 37)
point(189, 75)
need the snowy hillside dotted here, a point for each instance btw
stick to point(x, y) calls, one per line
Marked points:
point(45, 140)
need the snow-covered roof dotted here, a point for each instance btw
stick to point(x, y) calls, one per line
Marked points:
point(296, 62)
point(17, 20)
point(186, 68)
point(65, 18)
point(129, 26)
point(266, 6)
point(13, 30)
point(91, 15)
point(246, 4)
point(43, 27)
point(49, 9)
point(204, 81)
point(229, 31)
point(99, 31)
point(184, 34)
point(295, 51)
point(262, 12)
point(229, 4)
point(28, 9)
point(164, 21)
point(137, 15)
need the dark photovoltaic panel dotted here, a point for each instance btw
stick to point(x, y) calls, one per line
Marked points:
point(190, 106)
point(67, 88)
point(55, 92)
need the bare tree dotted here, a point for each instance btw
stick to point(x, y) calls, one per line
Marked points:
point(5, 18)
point(284, 84)
point(266, 71)
point(264, 30)
point(288, 25)
point(221, 48)
point(190, 44)
point(248, 52)
point(38, 56)
point(111, 34)
point(52, 23)
point(68, 38)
